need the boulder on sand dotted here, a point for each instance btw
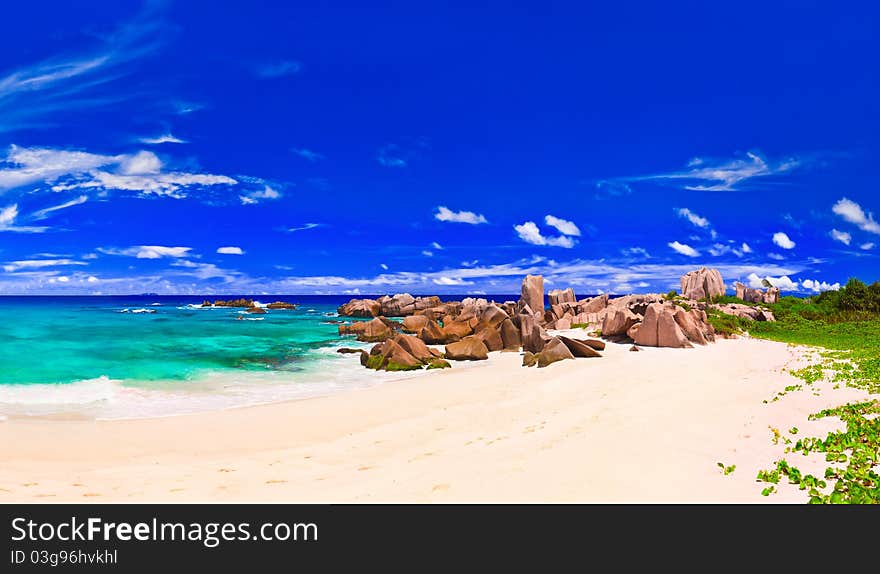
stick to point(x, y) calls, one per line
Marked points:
point(417, 348)
point(391, 356)
point(554, 350)
point(579, 348)
point(617, 321)
point(468, 349)
point(659, 329)
point(702, 284)
point(531, 334)
point(510, 335)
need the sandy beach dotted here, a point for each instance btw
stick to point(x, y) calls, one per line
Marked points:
point(627, 427)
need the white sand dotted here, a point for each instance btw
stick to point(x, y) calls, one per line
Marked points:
point(629, 427)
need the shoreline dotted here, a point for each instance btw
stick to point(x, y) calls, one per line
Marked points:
point(629, 427)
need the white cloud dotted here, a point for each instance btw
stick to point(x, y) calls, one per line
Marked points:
point(530, 233)
point(782, 240)
point(684, 249)
point(162, 139)
point(255, 196)
point(746, 248)
point(726, 175)
point(13, 266)
point(636, 252)
point(866, 246)
point(141, 163)
point(723, 249)
point(9, 214)
point(148, 251)
point(30, 165)
point(43, 213)
point(427, 253)
point(383, 266)
point(841, 236)
point(776, 256)
point(230, 251)
point(304, 227)
point(446, 214)
point(564, 227)
point(451, 281)
point(784, 282)
point(853, 213)
point(819, 286)
point(436, 246)
point(695, 219)
point(92, 279)
point(140, 172)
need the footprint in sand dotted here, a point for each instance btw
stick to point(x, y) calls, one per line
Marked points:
point(440, 488)
point(275, 481)
point(176, 490)
point(365, 468)
point(30, 484)
point(91, 494)
point(226, 470)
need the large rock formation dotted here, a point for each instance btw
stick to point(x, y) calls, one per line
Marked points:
point(399, 305)
point(750, 295)
point(559, 296)
point(668, 325)
point(401, 353)
point(360, 308)
point(468, 349)
point(532, 294)
point(702, 284)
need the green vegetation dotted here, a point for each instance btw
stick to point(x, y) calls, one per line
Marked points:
point(846, 324)
point(726, 469)
point(725, 324)
point(580, 325)
point(677, 299)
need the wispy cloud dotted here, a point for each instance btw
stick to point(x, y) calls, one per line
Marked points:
point(390, 156)
point(695, 219)
point(683, 249)
point(607, 189)
point(56, 83)
point(703, 174)
point(446, 214)
point(841, 236)
point(853, 213)
point(254, 197)
point(303, 227)
point(8, 216)
point(278, 69)
point(308, 154)
point(43, 213)
point(162, 139)
point(530, 233)
point(142, 172)
point(14, 266)
point(231, 250)
point(148, 251)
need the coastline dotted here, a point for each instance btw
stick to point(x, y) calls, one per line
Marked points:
point(629, 427)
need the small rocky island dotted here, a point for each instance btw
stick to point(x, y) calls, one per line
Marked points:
point(249, 305)
point(469, 329)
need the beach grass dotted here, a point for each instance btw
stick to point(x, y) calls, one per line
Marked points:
point(847, 325)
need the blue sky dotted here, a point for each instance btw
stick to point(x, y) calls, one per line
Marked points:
point(282, 147)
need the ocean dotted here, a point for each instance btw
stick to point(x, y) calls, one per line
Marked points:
point(147, 355)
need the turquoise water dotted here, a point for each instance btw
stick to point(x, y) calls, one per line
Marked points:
point(124, 357)
point(62, 340)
